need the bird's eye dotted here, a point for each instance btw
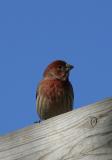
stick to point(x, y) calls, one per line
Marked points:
point(61, 68)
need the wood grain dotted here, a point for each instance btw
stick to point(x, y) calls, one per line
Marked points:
point(82, 134)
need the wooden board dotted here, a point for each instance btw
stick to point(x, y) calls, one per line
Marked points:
point(82, 134)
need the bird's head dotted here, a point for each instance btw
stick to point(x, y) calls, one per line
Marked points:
point(58, 70)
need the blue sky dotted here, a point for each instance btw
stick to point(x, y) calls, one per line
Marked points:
point(34, 33)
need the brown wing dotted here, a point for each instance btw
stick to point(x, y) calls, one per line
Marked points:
point(71, 93)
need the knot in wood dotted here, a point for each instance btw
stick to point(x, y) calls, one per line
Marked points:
point(93, 121)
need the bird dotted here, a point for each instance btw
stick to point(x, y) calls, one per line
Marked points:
point(54, 94)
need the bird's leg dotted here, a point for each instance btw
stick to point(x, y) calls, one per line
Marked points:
point(37, 121)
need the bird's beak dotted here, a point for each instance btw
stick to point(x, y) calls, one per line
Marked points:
point(69, 67)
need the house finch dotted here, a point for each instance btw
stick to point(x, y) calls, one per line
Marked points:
point(54, 94)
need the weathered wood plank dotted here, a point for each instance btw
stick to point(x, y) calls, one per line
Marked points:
point(82, 134)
